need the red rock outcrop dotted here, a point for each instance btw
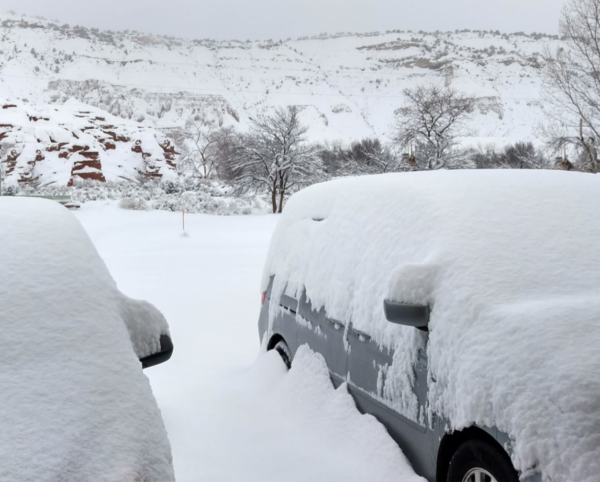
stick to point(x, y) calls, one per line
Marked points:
point(88, 167)
point(88, 139)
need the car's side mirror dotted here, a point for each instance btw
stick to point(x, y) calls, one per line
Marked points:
point(166, 350)
point(407, 314)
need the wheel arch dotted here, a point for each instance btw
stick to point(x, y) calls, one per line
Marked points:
point(450, 443)
point(275, 338)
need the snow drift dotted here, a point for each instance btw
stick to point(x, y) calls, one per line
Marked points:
point(510, 264)
point(76, 406)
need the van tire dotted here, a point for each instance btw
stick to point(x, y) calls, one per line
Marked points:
point(284, 352)
point(480, 454)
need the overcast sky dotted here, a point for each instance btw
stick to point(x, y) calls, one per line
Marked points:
point(262, 19)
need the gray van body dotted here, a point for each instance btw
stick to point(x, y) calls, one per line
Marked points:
point(429, 446)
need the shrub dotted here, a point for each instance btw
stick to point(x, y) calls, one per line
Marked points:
point(191, 196)
point(133, 203)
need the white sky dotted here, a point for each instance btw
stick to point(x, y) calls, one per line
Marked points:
point(262, 19)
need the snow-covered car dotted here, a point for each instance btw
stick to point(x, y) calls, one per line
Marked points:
point(460, 308)
point(76, 405)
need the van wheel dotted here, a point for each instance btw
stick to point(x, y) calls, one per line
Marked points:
point(481, 461)
point(284, 352)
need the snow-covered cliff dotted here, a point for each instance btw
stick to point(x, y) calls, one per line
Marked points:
point(348, 85)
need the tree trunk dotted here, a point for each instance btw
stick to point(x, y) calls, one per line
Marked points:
point(282, 189)
point(591, 155)
point(274, 197)
point(281, 194)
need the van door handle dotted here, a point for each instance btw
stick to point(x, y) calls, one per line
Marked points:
point(360, 335)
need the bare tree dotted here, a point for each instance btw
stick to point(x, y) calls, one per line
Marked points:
point(520, 155)
point(276, 156)
point(429, 123)
point(369, 156)
point(572, 85)
point(331, 155)
point(202, 150)
point(227, 147)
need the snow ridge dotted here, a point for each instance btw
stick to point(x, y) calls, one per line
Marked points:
point(349, 85)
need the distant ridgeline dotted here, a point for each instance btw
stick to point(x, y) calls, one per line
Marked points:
point(60, 144)
point(96, 104)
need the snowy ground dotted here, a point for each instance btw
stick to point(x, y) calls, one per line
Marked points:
point(232, 413)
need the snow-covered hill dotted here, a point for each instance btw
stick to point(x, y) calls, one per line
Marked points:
point(349, 85)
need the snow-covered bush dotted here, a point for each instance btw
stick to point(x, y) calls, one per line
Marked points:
point(10, 190)
point(133, 203)
point(191, 196)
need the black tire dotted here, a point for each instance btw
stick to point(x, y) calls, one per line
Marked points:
point(284, 352)
point(485, 456)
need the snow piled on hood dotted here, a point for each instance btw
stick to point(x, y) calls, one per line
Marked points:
point(509, 261)
point(76, 406)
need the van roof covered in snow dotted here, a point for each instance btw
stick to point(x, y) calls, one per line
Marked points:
point(489, 236)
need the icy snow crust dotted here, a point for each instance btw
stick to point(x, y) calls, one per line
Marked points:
point(76, 406)
point(510, 264)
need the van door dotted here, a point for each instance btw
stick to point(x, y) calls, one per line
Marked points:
point(367, 375)
point(367, 363)
point(323, 335)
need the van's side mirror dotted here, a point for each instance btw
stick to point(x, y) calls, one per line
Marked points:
point(407, 314)
point(166, 350)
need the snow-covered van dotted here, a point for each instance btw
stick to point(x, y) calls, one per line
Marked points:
point(75, 404)
point(460, 308)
